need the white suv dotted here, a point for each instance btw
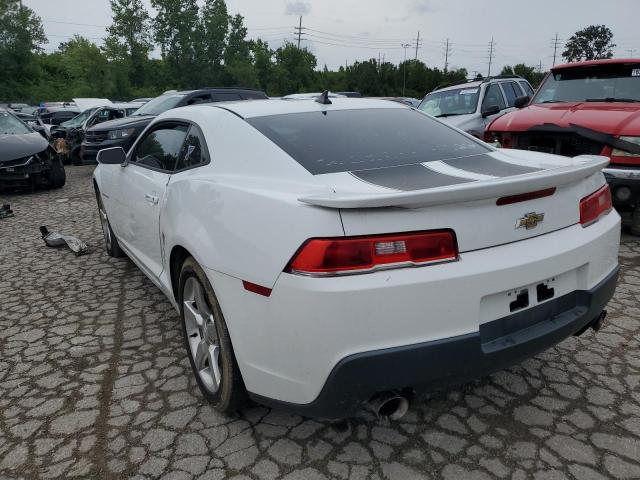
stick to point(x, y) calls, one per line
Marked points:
point(472, 105)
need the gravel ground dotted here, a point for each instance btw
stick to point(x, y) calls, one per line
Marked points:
point(95, 382)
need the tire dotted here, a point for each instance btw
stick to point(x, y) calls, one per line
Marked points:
point(635, 222)
point(57, 176)
point(208, 342)
point(110, 241)
point(75, 158)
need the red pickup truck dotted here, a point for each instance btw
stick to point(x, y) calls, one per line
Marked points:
point(590, 107)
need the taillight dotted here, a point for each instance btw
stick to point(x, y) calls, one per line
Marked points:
point(338, 256)
point(594, 206)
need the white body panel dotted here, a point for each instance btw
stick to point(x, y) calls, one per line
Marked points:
point(241, 218)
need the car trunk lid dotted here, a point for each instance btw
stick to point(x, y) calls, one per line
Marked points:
point(464, 194)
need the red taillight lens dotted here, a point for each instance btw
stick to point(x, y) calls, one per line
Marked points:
point(595, 206)
point(332, 256)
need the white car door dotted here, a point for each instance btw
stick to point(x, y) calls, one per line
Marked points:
point(141, 188)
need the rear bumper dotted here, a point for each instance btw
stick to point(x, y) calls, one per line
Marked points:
point(431, 365)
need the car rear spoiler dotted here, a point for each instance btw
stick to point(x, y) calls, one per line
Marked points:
point(585, 165)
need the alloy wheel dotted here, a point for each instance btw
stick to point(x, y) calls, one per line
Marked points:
point(202, 335)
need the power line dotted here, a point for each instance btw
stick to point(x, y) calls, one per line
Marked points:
point(492, 46)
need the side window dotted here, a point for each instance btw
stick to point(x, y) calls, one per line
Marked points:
point(227, 97)
point(527, 88)
point(199, 99)
point(493, 96)
point(510, 93)
point(194, 151)
point(161, 147)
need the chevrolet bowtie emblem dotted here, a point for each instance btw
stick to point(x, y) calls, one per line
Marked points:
point(530, 220)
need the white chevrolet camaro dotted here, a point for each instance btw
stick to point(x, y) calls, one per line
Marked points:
point(324, 255)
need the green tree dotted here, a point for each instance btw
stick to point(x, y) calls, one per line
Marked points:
point(591, 43)
point(21, 35)
point(214, 21)
point(237, 45)
point(294, 70)
point(129, 39)
point(85, 68)
point(528, 73)
point(175, 28)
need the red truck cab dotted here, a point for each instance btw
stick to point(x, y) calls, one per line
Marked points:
point(590, 107)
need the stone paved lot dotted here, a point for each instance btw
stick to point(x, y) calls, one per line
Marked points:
point(94, 382)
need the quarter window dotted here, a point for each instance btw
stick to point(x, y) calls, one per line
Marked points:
point(161, 148)
point(527, 88)
point(493, 96)
point(194, 151)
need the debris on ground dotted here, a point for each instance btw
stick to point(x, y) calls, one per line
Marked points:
point(6, 211)
point(55, 239)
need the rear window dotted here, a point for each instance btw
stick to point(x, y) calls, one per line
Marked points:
point(355, 140)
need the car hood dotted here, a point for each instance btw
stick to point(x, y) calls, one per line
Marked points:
point(13, 147)
point(611, 118)
point(126, 122)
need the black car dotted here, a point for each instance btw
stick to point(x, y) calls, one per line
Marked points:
point(27, 159)
point(123, 132)
point(56, 115)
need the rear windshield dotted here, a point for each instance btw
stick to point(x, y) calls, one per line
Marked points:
point(604, 83)
point(160, 104)
point(354, 140)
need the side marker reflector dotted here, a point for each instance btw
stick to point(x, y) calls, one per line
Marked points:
point(259, 289)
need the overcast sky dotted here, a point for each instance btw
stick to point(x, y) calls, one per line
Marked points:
point(348, 30)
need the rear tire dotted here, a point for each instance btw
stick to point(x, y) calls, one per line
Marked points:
point(57, 176)
point(635, 222)
point(208, 342)
point(75, 157)
point(110, 241)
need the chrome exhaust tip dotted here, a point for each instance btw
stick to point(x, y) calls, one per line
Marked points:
point(389, 405)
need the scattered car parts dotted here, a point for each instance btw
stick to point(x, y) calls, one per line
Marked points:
point(56, 240)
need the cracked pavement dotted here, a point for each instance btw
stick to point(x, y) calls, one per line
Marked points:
point(95, 383)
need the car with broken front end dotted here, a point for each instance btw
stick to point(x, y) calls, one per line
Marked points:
point(590, 107)
point(325, 254)
point(27, 159)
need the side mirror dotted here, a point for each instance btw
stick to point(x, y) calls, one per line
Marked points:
point(522, 101)
point(112, 156)
point(489, 110)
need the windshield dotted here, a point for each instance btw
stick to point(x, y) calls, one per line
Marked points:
point(10, 125)
point(159, 104)
point(356, 140)
point(461, 101)
point(78, 120)
point(606, 83)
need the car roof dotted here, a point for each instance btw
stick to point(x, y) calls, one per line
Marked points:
point(458, 86)
point(213, 89)
point(263, 108)
point(590, 63)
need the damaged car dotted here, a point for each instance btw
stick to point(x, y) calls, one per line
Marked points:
point(592, 108)
point(68, 136)
point(27, 159)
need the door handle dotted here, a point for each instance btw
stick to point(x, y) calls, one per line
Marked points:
point(151, 198)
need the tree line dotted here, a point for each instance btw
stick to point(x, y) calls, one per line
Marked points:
point(199, 47)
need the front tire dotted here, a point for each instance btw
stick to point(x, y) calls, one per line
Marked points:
point(110, 241)
point(208, 342)
point(57, 176)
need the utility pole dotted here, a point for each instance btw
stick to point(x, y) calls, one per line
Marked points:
point(404, 66)
point(417, 45)
point(540, 67)
point(556, 42)
point(447, 50)
point(492, 47)
point(631, 50)
point(299, 32)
